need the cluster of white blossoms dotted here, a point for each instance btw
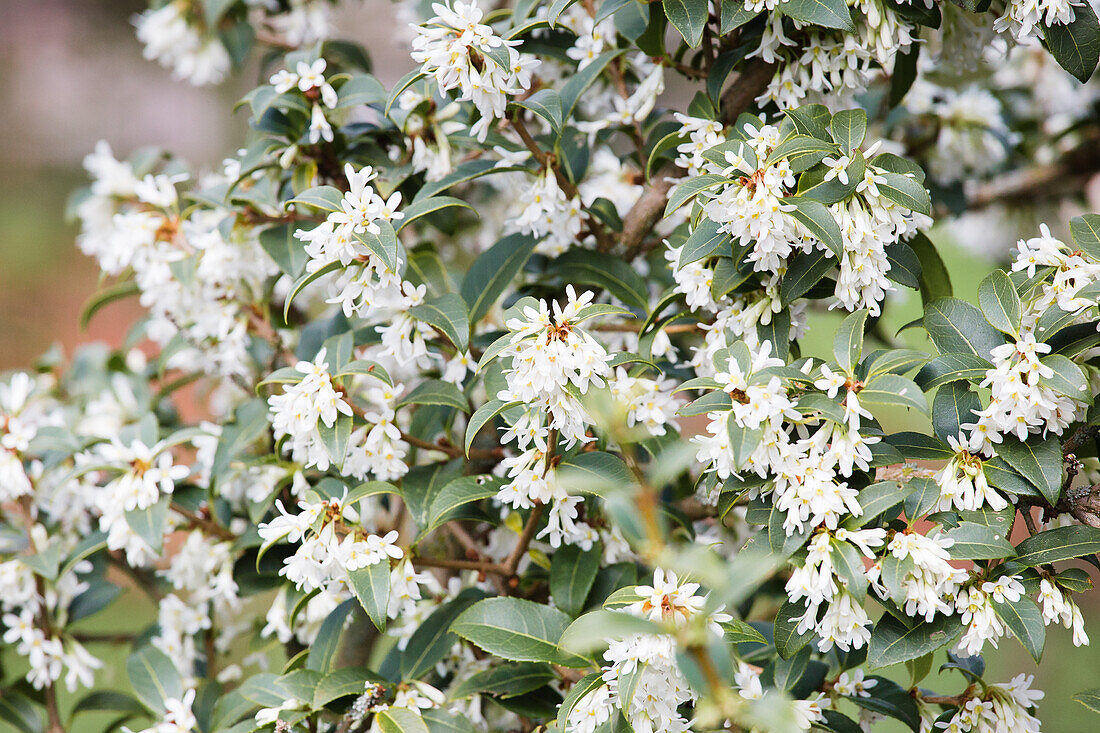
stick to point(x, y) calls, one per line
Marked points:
point(309, 79)
point(16, 435)
point(330, 544)
point(804, 472)
point(193, 270)
point(174, 38)
point(1058, 607)
point(204, 598)
point(461, 52)
point(550, 215)
point(1001, 707)
point(48, 656)
point(751, 209)
point(551, 359)
point(823, 65)
point(657, 685)
point(365, 282)
point(963, 484)
point(1025, 19)
point(303, 407)
point(1026, 397)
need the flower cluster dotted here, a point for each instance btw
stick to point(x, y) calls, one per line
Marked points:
point(463, 53)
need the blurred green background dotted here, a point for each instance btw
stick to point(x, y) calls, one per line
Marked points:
point(71, 73)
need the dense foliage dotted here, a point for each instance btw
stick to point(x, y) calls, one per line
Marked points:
point(491, 401)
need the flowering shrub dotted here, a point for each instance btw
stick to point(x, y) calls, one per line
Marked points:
point(505, 410)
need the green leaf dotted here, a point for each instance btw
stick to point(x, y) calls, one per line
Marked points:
point(546, 103)
point(743, 441)
point(108, 701)
point(384, 245)
point(895, 390)
point(935, 282)
point(325, 198)
point(1000, 303)
point(734, 15)
point(399, 88)
point(690, 188)
point(1039, 461)
point(335, 438)
point(905, 191)
point(1076, 46)
point(364, 367)
point(804, 272)
point(448, 314)
point(556, 9)
point(323, 650)
point(603, 270)
point(849, 128)
point(1090, 699)
point(492, 272)
point(978, 542)
point(119, 291)
point(848, 342)
point(904, 264)
point(577, 692)
point(1060, 543)
point(153, 677)
point(360, 89)
point(149, 523)
point(877, 498)
point(250, 422)
point(811, 119)
point(704, 241)
point(400, 720)
point(577, 83)
point(889, 698)
point(505, 681)
point(436, 392)
point(20, 712)
point(305, 280)
point(957, 327)
point(572, 572)
point(952, 368)
point(1026, 621)
point(455, 494)
point(818, 221)
point(371, 586)
point(422, 207)
point(849, 567)
point(1086, 233)
point(517, 630)
point(342, 683)
point(801, 152)
point(784, 633)
point(893, 642)
point(463, 173)
point(594, 472)
point(483, 415)
point(689, 17)
point(825, 13)
point(953, 407)
point(1068, 379)
point(433, 639)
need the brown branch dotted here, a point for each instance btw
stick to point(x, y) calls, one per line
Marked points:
point(512, 561)
point(205, 524)
point(1029, 185)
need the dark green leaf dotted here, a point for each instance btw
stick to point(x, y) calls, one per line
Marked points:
point(492, 271)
